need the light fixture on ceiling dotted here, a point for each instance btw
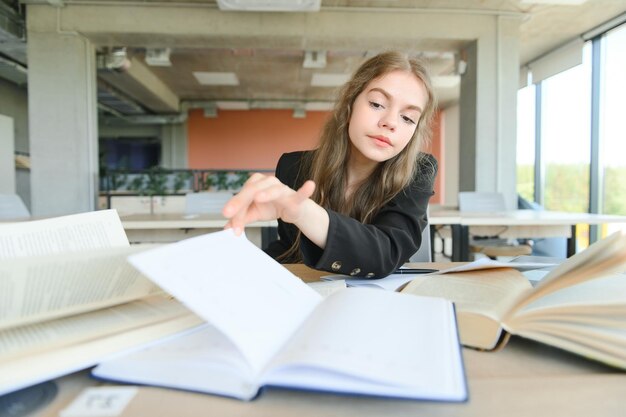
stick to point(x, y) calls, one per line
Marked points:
point(329, 80)
point(158, 57)
point(446, 81)
point(270, 5)
point(299, 111)
point(113, 59)
point(314, 59)
point(555, 2)
point(210, 110)
point(216, 78)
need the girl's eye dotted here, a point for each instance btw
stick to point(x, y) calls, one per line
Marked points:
point(408, 120)
point(376, 105)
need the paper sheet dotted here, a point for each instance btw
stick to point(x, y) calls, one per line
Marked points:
point(236, 287)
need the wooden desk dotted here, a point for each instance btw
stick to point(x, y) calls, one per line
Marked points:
point(523, 379)
point(516, 224)
point(172, 227)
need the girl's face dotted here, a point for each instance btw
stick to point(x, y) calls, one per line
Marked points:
point(385, 115)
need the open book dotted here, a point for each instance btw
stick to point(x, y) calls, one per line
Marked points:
point(579, 306)
point(69, 297)
point(266, 327)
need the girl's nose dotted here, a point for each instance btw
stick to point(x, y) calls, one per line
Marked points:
point(387, 122)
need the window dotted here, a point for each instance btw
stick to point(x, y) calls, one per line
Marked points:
point(561, 174)
point(612, 139)
point(526, 142)
point(565, 137)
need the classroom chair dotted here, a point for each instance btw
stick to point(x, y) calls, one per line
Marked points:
point(490, 246)
point(206, 202)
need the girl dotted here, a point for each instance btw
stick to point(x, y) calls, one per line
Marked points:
point(357, 204)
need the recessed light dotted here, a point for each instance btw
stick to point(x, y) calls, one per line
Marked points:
point(270, 5)
point(445, 81)
point(329, 80)
point(158, 57)
point(216, 78)
point(555, 2)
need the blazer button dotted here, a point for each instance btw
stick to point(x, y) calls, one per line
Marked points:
point(370, 274)
point(355, 271)
point(336, 266)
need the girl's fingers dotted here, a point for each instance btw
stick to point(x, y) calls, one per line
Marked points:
point(243, 197)
point(265, 198)
point(306, 191)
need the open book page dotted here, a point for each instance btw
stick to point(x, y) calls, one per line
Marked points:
point(604, 344)
point(73, 233)
point(603, 258)
point(228, 281)
point(378, 343)
point(46, 287)
point(358, 341)
point(486, 263)
point(28, 370)
point(600, 302)
point(201, 359)
point(31, 339)
point(481, 299)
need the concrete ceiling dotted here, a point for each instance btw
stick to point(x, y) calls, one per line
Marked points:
point(269, 66)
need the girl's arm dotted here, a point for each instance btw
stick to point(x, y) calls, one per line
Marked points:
point(266, 198)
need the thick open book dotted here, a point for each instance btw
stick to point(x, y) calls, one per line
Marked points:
point(580, 306)
point(69, 297)
point(267, 328)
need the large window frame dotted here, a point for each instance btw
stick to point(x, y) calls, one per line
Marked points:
point(595, 166)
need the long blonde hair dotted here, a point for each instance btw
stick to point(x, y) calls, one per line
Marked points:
point(327, 165)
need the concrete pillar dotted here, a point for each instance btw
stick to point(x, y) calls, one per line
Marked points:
point(62, 118)
point(488, 106)
point(174, 146)
point(7, 155)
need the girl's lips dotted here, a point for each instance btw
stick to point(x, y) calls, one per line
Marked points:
point(381, 140)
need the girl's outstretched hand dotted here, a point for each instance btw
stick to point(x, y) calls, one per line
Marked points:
point(264, 197)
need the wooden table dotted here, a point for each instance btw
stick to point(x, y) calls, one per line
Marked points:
point(515, 224)
point(172, 227)
point(523, 379)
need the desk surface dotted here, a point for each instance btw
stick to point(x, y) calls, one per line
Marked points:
point(522, 379)
point(520, 218)
point(181, 221)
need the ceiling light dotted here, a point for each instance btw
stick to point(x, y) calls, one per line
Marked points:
point(113, 59)
point(329, 80)
point(314, 59)
point(270, 5)
point(210, 110)
point(299, 112)
point(216, 78)
point(445, 81)
point(158, 57)
point(555, 2)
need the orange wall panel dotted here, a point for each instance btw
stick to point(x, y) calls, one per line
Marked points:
point(252, 139)
point(255, 139)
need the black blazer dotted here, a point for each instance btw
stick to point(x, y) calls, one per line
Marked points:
point(353, 248)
